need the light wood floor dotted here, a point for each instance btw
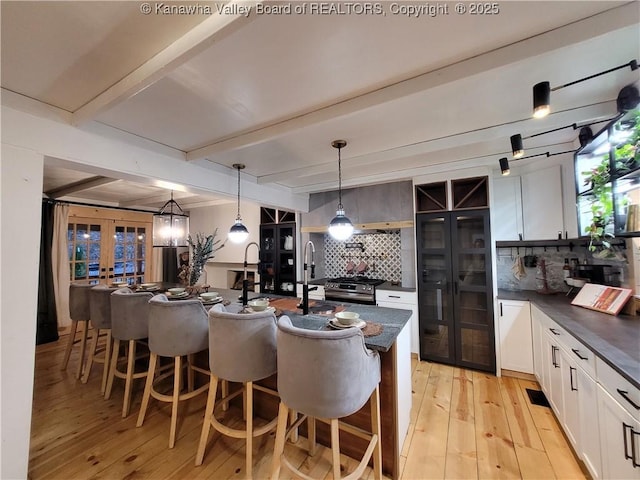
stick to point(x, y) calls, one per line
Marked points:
point(464, 424)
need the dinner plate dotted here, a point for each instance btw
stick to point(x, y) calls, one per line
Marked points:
point(335, 323)
point(210, 301)
point(149, 289)
point(251, 310)
point(177, 295)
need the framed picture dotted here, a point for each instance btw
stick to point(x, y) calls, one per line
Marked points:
point(602, 298)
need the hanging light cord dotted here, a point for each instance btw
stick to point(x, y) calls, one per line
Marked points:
point(238, 217)
point(339, 179)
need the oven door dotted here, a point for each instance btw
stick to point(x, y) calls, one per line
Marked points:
point(350, 297)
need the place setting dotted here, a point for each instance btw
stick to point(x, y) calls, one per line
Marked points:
point(210, 298)
point(344, 320)
point(148, 287)
point(177, 293)
point(258, 305)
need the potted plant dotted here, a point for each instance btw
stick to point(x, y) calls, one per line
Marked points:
point(202, 248)
point(601, 203)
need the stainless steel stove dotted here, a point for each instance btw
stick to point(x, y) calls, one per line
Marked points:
point(352, 289)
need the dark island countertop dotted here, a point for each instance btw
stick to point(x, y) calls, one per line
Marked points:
point(393, 320)
point(397, 287)
point(613, 338)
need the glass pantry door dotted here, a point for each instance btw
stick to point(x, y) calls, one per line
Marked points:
point(435, 287)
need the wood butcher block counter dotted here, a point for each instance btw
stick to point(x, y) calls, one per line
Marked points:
point(393, 344)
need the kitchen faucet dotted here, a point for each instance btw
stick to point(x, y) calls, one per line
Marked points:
point(245, 282)
point(305, 285)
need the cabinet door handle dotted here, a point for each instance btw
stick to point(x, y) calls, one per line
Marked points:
point(577, 352)
point(624, 394)
point(571, 370)
point(501, 310)
point(394, 296)
point(633, 448)
point(624, 436)
point(554, 349)
point(554, 331)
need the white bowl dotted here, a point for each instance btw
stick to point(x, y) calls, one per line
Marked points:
point(259, 304)
point(209, 295)
point(569, 281)
point(176, 290)
point(147, 285)
point(579, 282)
point(347, 318)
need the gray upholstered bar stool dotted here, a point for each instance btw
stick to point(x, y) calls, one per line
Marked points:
point(79, 312)
point(176, 329)
point(100, 308)
point(129, 323)
point(326, 375)
point(242, 348)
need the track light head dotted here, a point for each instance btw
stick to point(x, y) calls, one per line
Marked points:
point(628, 98)
point(516, 145)
point(541, 99)
point(504, 166)
point(585, 136)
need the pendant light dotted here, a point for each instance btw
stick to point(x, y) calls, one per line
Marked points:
point(170, 228)
point(238, 232)
point(340, 227)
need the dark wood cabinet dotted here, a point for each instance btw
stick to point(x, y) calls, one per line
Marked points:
point(455, 295)
point(278, 253)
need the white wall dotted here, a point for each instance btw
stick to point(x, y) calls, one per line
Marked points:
point(20, 212)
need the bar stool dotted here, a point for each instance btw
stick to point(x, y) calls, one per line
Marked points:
point(100, 308)
point(129, 323)
point(80, 313)
point(176, 328)
point(326, 375)
point(242, 348)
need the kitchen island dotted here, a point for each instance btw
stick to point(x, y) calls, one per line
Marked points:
point(393, 345)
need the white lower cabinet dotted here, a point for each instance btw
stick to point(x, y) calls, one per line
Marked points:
point(316, 294)
point(514, 325)
point(405, 301)
point(566, 372)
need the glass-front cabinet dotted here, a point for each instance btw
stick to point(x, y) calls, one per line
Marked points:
point(608, 178)
point(277, 252)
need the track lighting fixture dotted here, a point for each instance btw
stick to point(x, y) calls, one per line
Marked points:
point(628, 98)
point(516, 145)
point(585, 136)
point(340, 227)
point(238, 232)
point(504, 162)
point(542, 91)
point(504, 166)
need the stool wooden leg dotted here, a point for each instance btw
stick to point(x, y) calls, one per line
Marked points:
point(112, 369)
point(190, 373)
point(92, 351)
point(311, 429)
point(153, 360)
point(83, 349)
point(128, 381)
point(70, 340)
point(107, 361)
point(335, 447)
point(375, 429)
point(206, 425)
point(293, 416)
point(174, 402)
point(281, 433)
point(225, 392)
point(249, 423)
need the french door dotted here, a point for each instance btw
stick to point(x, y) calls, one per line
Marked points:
point(455, 288)
point(107, 250)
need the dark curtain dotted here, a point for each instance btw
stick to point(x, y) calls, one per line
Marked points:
point(169, 264)
point(47, 323)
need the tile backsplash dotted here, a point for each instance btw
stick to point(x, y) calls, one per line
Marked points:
point(380, 251)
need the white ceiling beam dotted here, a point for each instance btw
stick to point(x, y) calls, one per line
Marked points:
point(155, 199)
point(576, 32)
point(80, 186)
point(196, 40)
point(592, 112)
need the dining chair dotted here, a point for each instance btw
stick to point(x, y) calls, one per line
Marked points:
point(79, 312)
point(176, 328)
point(100, 308)
point(326, 375)
point(130, 324)
point(242, 349)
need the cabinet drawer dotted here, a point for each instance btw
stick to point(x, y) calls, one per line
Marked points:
point(392, 296)
point(583, 357)
point(619, 387)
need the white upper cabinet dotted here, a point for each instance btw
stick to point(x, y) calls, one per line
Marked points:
point(506, 210)
point(543, 209)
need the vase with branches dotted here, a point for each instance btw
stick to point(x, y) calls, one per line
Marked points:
point(202, 248)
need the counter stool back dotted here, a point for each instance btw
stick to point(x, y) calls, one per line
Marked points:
point(176, 328)
point(100, 308)
point(129, 323)
point(242, 348)
point(79, 312)
point(326, 375)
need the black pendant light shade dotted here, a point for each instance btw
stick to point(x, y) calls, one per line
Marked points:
point(340, 226)
point(504, 166)
point(541, 99)
point(238, 233)
point(516, 145)
point(170, 226)
point(585, 136)
point(628, 98)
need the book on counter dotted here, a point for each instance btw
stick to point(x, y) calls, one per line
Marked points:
point(602, 298)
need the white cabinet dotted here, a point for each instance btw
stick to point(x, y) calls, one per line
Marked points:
point(406, 301)
point(516, 345)
point(570, 398)
point(317, 294)
point(542, 207)
point(589, 444)
point(506, 208)
point(403, 392)
point(536, 334)
point(554, 368)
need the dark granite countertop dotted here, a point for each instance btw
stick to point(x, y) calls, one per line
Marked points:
point(392, 319)
point(397, 288)
point(615, 339)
